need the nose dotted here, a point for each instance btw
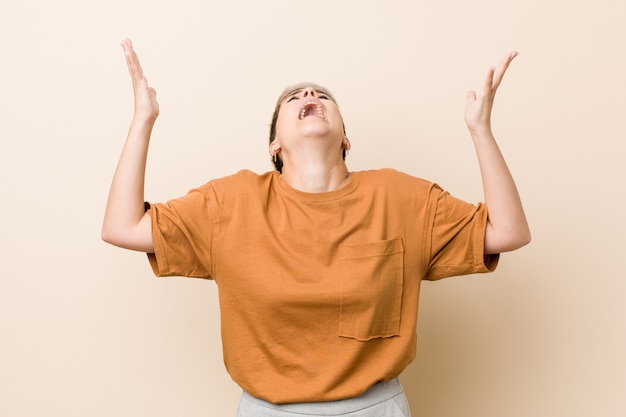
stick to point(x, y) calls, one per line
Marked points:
point(309, 92)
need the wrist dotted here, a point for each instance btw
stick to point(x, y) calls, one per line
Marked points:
point(478, 131)
point(143, 120)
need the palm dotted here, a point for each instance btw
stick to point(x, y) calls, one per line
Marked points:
point(479, 104)
point(146, 105)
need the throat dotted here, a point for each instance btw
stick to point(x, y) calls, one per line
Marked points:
point(317, 181)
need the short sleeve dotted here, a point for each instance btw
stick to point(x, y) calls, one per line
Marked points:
point(182, 233)
point(456, 240)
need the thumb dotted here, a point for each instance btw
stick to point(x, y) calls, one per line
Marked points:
point(470, 96)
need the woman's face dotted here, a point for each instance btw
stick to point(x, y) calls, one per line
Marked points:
point(308, 112)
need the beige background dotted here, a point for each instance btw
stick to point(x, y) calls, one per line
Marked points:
point(87, 331)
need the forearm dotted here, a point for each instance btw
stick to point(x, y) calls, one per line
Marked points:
point(507, 228)
point(125, 220)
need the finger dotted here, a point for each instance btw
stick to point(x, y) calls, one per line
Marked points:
point(502, 67)
point(489, 80)
point(470, 96)
point(132, 61)
point(134, 67)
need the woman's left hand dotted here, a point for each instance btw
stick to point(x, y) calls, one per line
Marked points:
point(479, 105)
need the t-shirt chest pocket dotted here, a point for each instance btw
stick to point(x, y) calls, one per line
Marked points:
point(371, 289)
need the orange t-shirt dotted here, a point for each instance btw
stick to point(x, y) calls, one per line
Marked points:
point(318, 292)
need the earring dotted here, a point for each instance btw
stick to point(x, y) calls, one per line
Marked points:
point(274, 157)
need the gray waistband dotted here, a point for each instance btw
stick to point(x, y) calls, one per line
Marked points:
point(378, 393)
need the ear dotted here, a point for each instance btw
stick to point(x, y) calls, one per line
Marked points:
point(346, 143)
point(275, 148)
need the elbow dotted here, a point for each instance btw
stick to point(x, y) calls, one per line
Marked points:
point(518, 240)
point(507, 242)
point(523, 235)
point(522, 239)
point(107, 236)
point(137, 239)
point(111, 234)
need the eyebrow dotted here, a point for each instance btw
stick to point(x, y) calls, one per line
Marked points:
point(292, 93)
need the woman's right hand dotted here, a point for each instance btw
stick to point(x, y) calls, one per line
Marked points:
point(146, 105)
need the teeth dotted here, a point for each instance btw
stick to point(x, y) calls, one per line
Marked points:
point(320, 112)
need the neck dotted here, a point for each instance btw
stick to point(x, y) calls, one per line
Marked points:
point(313, 175)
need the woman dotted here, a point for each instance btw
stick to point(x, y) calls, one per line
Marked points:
point(318, 268)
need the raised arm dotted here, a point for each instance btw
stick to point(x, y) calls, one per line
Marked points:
point(507, 228)
point(125, 222)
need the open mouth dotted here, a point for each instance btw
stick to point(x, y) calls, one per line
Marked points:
point(311, 108)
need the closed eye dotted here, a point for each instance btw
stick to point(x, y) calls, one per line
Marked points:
point(291, 98)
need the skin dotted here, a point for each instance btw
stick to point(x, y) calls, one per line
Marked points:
point(507, 227)
point(311, 149)
point(125, 222)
